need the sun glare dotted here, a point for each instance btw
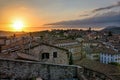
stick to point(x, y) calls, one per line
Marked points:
point(18, 25)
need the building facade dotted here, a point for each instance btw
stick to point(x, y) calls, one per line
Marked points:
point(49, 53)
point(109, 58)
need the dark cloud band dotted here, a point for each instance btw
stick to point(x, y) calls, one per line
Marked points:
point(108, 7)
point(101, 9)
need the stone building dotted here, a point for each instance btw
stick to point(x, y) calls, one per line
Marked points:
point(48, 53)
point(75, 50)
point(73, 46)
point(30, 49)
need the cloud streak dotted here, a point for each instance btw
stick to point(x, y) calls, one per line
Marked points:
point(108, 7)
point(109, 18)
point(101, 9)
point(106, 18)
point(84, 15)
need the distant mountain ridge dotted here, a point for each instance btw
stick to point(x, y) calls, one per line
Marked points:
point(114, 29)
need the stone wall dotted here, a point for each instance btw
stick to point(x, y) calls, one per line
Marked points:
point(94, 75)
point(15, 69)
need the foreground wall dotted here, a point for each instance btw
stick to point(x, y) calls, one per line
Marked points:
point(15, 69)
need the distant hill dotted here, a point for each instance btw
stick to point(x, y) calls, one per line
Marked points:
point(113, 29)
point(6, 33)
point(9, 33)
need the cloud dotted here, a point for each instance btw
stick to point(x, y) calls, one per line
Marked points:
point(108, 7)
point(108, 18)
point(84, 15)
point(101, 9)
point(101, 19)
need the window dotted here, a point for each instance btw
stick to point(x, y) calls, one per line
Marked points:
point(45, 55)
point(54, 54)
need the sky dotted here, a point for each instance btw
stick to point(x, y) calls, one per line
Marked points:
point(40, 14)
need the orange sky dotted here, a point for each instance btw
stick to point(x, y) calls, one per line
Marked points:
point(27, 16)
point(35, 13)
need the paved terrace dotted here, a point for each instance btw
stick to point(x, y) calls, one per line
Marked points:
point(25, 70)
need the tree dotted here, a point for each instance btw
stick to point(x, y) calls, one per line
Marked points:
point(115, 63)
point(110, 33)
point(71, 59)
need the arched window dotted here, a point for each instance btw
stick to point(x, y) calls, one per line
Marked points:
point(45, 55)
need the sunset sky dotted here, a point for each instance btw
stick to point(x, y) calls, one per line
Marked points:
point(38, 14)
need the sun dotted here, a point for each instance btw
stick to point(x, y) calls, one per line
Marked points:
point(18, 25)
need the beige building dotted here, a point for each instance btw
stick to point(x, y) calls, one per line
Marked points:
point(73, 46)
point(76, 51)
point(48, 53)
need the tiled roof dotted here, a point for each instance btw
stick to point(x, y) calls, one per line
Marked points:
point(73, 46)
point(3, 37)
point(55, 46)
point(102, 48)
point(26, 57)
point(64, 41)
point(19, 55)
point(108, 50)
point(110, 70)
